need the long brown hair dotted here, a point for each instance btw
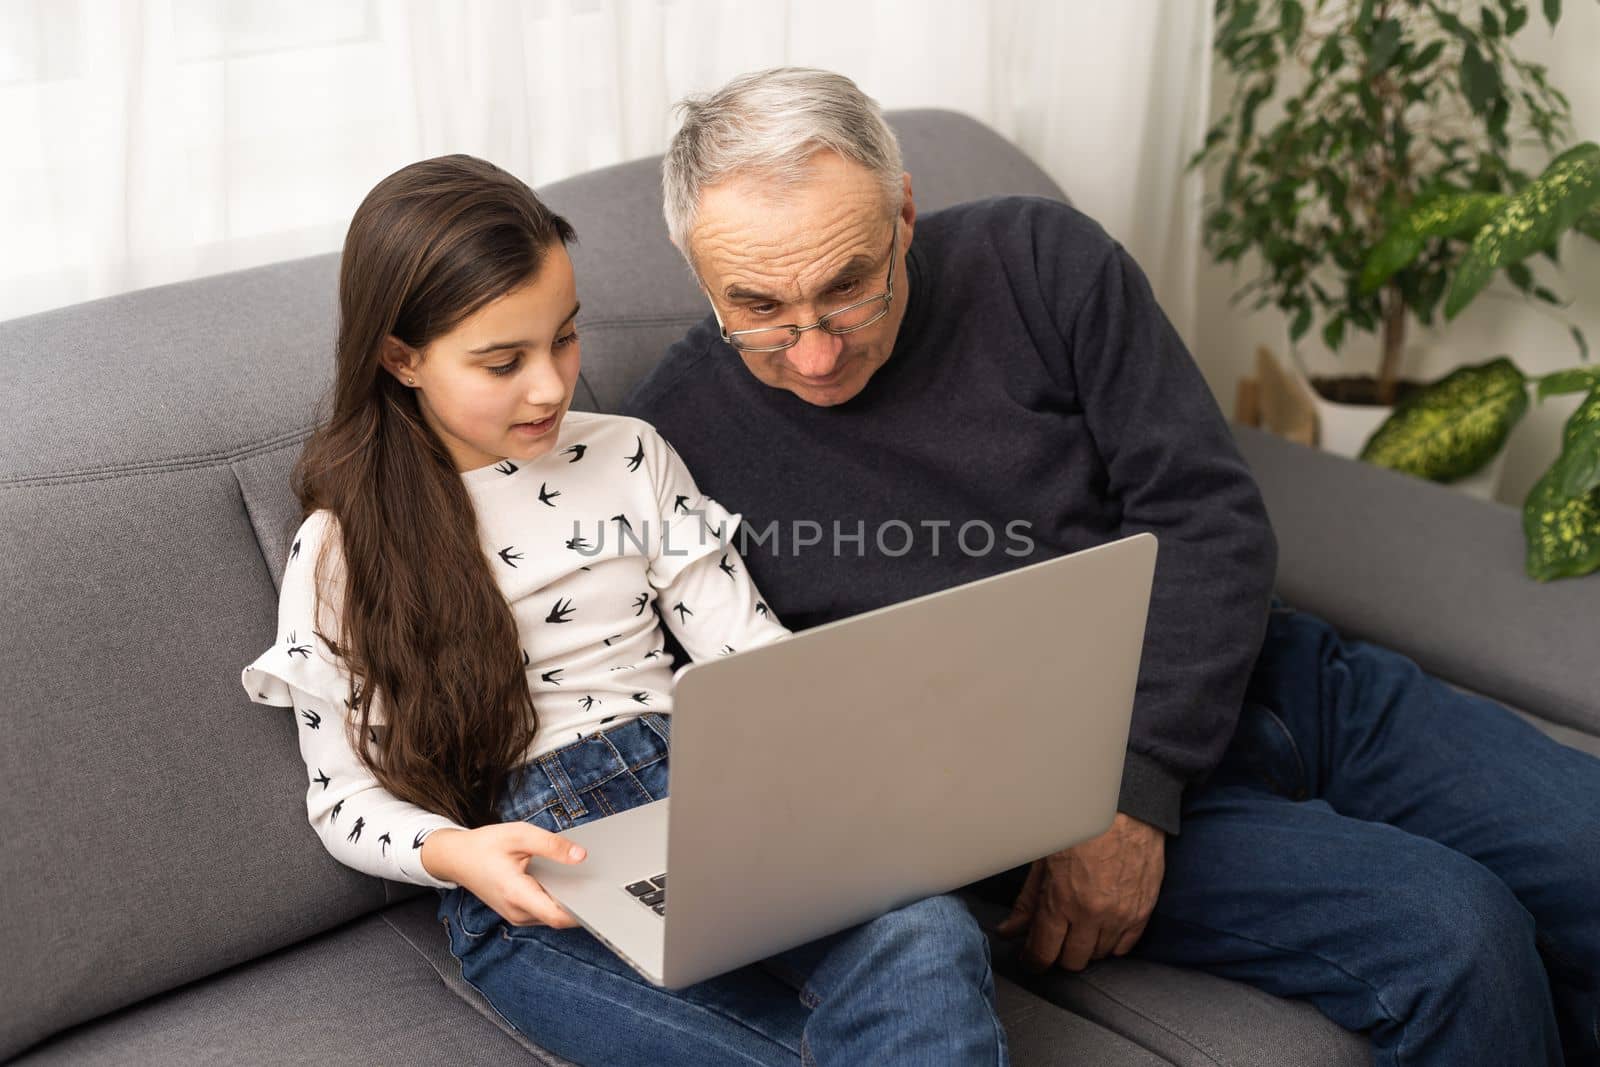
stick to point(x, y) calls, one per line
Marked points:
point(424, 628)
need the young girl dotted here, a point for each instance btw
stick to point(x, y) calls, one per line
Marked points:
point(469, 632)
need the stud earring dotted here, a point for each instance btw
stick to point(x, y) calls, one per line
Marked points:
point(411, 381)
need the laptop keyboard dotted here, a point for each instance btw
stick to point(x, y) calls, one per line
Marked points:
point(651, 892)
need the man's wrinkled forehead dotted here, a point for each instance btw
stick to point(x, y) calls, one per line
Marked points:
point(752, 230)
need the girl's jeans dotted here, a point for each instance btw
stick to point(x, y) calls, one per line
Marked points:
point(911, 987)
point(1418, 862)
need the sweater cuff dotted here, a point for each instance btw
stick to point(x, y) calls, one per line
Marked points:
point(1150, 792)
point(409, 861)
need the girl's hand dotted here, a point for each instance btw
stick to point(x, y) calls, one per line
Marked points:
point(491, 861)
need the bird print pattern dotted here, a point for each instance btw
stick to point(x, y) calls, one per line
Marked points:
point(596, 545)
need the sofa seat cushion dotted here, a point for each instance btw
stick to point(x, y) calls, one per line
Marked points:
point(385, 990)
point(1188, 1018)
point(1039, 1034)
point(359, 994)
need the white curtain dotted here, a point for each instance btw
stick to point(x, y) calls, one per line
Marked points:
point(147, 141)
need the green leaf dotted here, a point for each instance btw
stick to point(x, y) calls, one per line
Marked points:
point(1520, 276)
point(1290, 21)
point(1575, 380)
point(1480, 81)
point(1499, 112)
point(1258, 93)
point(1454, 426)
point(1577, 470)
point(1529, 221)
point(1443, 215)
point(1552, 12)
point(1563, 533)
point(1333, 333)
point(1301, 323)
point(1561, 517)
point(1385, 42)
point(1228, 34)
point(1580, 151)
point(1364, 18)
point(1491, 23)
point(1426, 57)
point(1516, 18)
point(1583, 346)
point(1454, 25)
point(1330, 57)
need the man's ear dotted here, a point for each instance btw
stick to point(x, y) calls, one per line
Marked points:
point(908, 207)
point(398, 358)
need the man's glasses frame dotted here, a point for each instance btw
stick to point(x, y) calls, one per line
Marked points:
point(823, 322)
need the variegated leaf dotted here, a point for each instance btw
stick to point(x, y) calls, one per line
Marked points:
point(1528, 222)
point(1454, 426)
point(1563, 532)
point(1576, 471)
point(1575, 380)
point(1446, 215)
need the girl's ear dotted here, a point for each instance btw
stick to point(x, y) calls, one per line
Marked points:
point(399, 359)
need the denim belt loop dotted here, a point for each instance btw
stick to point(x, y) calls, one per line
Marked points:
point(563, 785)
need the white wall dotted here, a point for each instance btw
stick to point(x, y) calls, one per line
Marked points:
point(1500, 322)
point(148, 141)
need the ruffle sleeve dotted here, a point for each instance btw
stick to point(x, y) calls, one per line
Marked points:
point(301, 657)
point(360, 823)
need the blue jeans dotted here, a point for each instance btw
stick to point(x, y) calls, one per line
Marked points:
point(911, 987)
point(1419, 863)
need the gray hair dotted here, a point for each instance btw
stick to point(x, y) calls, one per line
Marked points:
point(771, 122)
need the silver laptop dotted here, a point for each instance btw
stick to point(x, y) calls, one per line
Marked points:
point(863, 765)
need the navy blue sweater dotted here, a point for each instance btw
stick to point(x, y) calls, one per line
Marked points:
point(1036, 391)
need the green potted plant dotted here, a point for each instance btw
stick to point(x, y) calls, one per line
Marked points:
point(1383, 186)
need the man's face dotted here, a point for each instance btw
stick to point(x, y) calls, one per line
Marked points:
point(768, 256)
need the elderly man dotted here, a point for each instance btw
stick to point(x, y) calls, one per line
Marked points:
point(1312, 816)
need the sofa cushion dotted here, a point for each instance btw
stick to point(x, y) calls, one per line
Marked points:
point(1188, 1018)
point(360, 994)
point(1038, 1034)
point(155, 820)
point(1431, 573)
point(384, 990)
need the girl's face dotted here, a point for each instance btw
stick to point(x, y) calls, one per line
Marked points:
point(498, 385)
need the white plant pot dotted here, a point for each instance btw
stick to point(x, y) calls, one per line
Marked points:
point(1343, 429)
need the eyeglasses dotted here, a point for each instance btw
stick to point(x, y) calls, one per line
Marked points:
point(844, 320)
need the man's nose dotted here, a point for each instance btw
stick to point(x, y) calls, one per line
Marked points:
point(816, 354)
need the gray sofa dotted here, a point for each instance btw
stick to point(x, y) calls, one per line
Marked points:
point(165, 901)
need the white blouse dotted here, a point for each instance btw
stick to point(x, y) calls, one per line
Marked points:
point(593, 545)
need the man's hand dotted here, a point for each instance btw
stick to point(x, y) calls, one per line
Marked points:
point(1091, 900)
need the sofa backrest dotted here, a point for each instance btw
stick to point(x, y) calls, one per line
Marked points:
point(154, 818)
point(1432, 573)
